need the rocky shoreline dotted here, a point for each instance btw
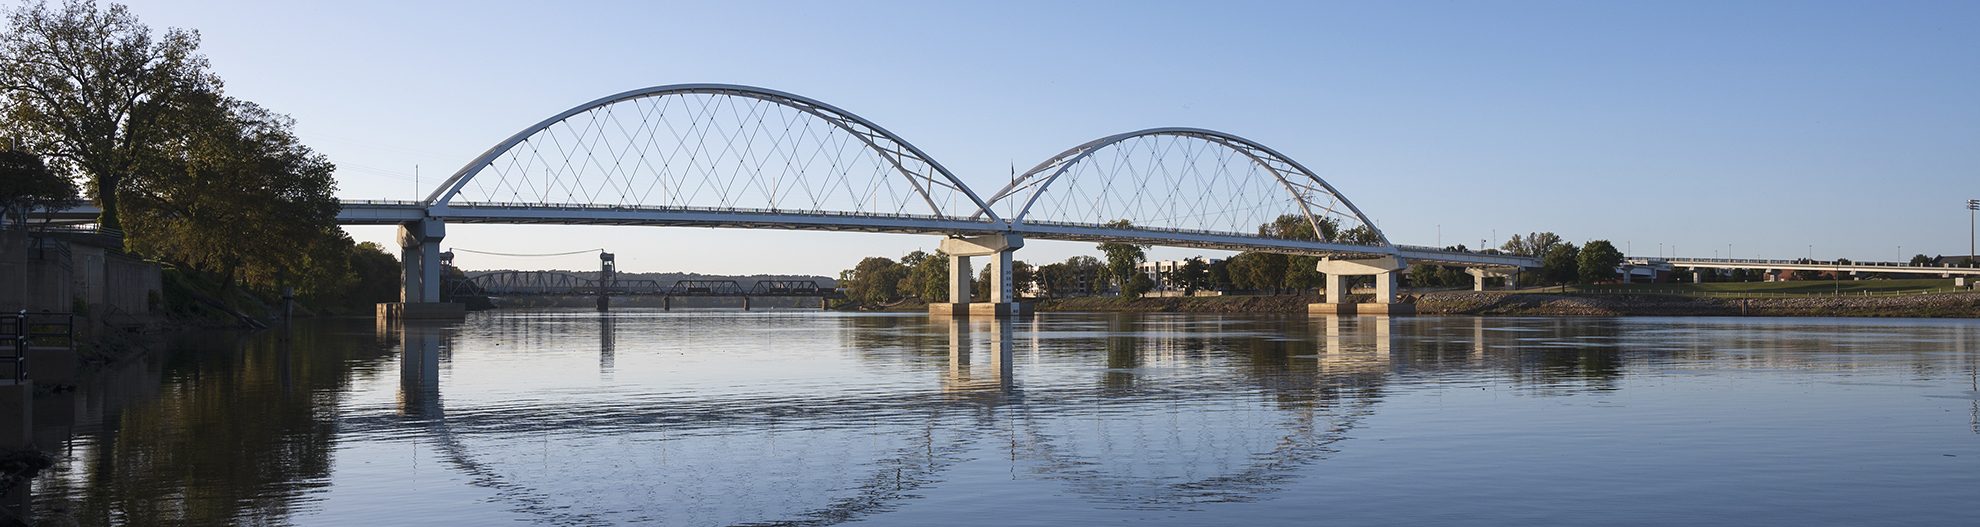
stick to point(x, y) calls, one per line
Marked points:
point(1943, 305)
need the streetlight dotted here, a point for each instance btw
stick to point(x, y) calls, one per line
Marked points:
point(1971, 206)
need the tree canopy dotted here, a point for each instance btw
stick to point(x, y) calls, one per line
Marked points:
point(1122, 258)
point(92, 87)
point(1597, 261)
point(26, 183)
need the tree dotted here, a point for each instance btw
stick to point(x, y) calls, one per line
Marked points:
point(235, 192)
point(1302, 273)
point(26, 183)
point(1137, 284)
point(1534, 244)
point(1921, 260)
point(1220, 275)
point(927, 277)
point(1023, 275)
point(1122, 258)
point(1597, 261)
point(876, 280)
point(1561, 264)
point(89, 88)
point(1192, 275)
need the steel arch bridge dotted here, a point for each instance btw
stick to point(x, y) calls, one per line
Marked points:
point(732, 156)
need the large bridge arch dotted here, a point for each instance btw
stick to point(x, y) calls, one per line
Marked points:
point(1180, 179)
point(712, 147)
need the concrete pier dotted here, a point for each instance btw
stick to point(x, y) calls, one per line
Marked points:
point(1002, 299)
point(1386, 271)
point(401, 311)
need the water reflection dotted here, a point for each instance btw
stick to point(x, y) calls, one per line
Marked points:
point(979, 367)
point(580, 418)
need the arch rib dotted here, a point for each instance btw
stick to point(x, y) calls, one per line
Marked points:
point(842, 119)
point(1040, 178)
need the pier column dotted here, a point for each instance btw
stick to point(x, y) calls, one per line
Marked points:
point(1002, 299)
point(1384, 269)
point(419, 260)
point(1385, 287)
point(1337, 287)
point(1479, 274)
point(960, 276)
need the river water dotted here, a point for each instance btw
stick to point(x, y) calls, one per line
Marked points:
point(808, 418)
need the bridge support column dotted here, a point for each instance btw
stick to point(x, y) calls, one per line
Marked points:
point(1002, 299)
point(1385, 270)
point(1479, 274)
point(419, 260)
point(1697, 276)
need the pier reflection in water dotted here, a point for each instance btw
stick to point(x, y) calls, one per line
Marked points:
point(713, 418)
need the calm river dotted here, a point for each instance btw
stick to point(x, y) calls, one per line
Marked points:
point(807, 418)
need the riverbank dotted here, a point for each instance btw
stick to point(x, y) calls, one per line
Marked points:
point(1947, 305)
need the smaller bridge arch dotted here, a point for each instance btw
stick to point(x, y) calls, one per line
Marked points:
point(1184, 179)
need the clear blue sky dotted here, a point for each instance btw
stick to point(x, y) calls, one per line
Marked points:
point(1852, 127)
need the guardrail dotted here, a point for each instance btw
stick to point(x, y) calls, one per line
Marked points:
point(1762, 294)
point(24, 330)
point(1830, 263)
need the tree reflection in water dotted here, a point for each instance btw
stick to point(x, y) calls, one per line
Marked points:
point(1147, 412)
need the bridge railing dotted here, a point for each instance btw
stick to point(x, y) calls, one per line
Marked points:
point(1832, 263)
point(1761, 294)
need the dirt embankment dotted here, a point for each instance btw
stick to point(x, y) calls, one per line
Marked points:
point(1963, 305)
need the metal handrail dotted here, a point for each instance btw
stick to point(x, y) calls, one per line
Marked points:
point(24, 331)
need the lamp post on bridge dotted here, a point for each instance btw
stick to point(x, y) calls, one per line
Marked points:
point(1972, 205)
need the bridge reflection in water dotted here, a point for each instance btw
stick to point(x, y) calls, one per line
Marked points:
point(807, 419)
point(892, 444)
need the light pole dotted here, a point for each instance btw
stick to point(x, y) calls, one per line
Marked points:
point(1971, 206)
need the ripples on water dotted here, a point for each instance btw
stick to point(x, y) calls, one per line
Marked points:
point(796, 418)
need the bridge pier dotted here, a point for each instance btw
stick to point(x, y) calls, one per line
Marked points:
point(1386, 270)
point(419, 261)
point(1002, 299)
point(1479, 274)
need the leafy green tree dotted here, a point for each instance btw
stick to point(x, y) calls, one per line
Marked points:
point(1220, 275)
point(1302, 273)
point(1137, 284)
point(1122, 258)
point(1921, 260)
point(1562, 264)
point(27, 183)
point(1534, 244)
point(927, 277)
point(1258, 271)
point(1023, 277)
point(1192, 275)
point(1425, 276)
point(876, 280)
point(1597, 261)
point(1360, 235)
point(237, 193)
point(89, 87)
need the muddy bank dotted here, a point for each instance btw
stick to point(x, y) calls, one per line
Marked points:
point(1950, 305)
